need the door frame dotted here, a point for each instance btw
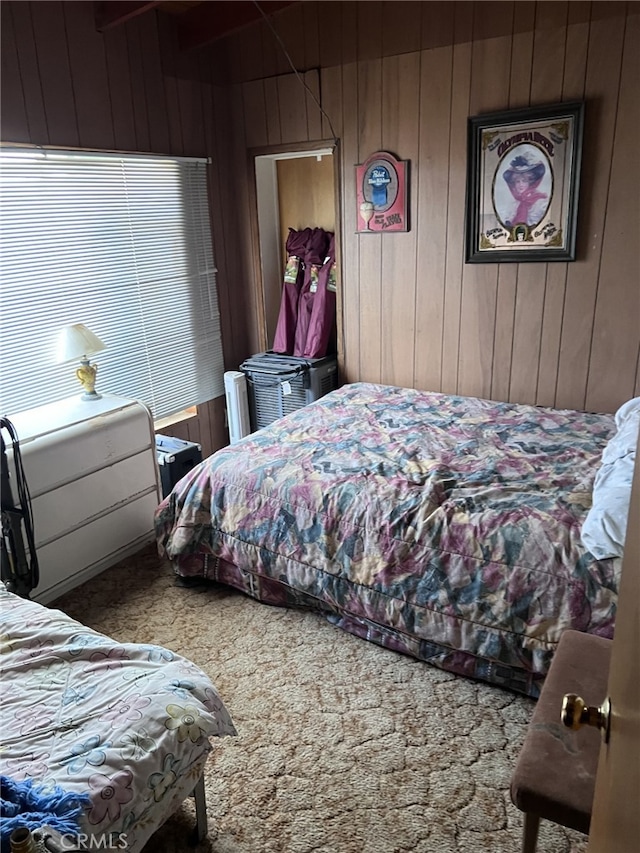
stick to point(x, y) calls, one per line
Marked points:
point(279, 152)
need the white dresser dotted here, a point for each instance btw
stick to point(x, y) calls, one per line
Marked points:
point(92, 473)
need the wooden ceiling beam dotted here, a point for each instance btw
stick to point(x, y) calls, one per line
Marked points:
point(111, 13)
point(215, 19)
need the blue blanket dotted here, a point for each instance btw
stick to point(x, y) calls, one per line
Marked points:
point(32, 806)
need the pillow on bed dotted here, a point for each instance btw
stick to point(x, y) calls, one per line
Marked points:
point(605, 526)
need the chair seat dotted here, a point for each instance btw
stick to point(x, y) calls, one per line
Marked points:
point(555, 774)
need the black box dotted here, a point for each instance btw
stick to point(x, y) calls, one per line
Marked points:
point(175, 459)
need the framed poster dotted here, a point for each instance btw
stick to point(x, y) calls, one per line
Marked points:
point(381, 194)
point(523, 173)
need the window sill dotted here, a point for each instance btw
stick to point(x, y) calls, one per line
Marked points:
point(169, 420)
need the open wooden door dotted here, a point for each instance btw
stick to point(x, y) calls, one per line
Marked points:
point(615, 822)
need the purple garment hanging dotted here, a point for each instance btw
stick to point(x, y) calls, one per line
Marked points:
point(284, 338)
point(316, 252)
point(323, 312)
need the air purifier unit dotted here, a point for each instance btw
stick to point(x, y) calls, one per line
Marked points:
point(235, 389)
point(280, 384)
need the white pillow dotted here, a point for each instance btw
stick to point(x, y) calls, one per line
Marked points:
point(605, 527)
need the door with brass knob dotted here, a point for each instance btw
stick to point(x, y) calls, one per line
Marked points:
point(576, 713)
point(615, 819)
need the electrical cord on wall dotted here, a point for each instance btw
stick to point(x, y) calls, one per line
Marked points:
point(295, 70)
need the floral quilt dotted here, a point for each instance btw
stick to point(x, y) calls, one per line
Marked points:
point(127, 724)
point(441, 526)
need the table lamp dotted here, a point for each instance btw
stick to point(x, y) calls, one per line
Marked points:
point(77, 342)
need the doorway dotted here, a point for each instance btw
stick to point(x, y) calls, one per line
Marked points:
point(296, 187)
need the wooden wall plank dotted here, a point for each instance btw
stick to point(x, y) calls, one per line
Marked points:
point(348, 29)
point(120, 97)
point(522, 55)
point(157, 111)
point(255, 114)
point(519, 96)
point(314, 116)
point(331, 92)
point(349, 266)
point(490, 75)
point(169, 48)
point(438, 24)
point(401, 30)
point(55, 74)
point(274, 134)
point(216, 112)
point(369, 245)
point(400, 101)
point(369, 30)
point(293, 109)
point(601, 91)
point(15, 127)
point(616, 336)
point(232, 198)
point(330, 33)
point(190, 103)
point(240, 257)
point(217, 423)
point(547, 63)
point(89, 75)
point(575, 62)
point(289, 24)
point(138, 94)
point(432, 164)
point(460, 93)
point(250, 51)
point(311, 34)
point(503, 338)
point(271, 51)
point(29, 70)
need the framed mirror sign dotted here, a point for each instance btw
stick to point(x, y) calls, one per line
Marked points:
point(381, 194)
point(523, 172)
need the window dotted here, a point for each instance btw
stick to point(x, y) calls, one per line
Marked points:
point(121, 243)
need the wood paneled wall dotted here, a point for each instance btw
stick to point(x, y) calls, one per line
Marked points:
point(64, 84)
point(404, 76)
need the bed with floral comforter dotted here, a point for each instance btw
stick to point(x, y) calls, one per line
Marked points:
point(127, 724)
point(440, 526)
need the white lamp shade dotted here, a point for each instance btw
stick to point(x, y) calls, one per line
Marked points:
point(75, 342)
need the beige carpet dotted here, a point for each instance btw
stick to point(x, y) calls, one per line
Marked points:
point(343, 747)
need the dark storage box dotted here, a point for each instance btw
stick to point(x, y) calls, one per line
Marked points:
point(175, 459)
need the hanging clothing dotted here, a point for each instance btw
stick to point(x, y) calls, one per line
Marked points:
point(323, 312)
point(285, 334)
point(315, 253)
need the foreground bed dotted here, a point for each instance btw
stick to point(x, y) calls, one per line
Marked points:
point(127, 724)
point(444, 527)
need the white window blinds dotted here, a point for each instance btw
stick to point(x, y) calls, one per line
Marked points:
point(121, 243)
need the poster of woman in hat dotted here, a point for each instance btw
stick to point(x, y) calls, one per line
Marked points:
point(523, 187)
point(523, 177)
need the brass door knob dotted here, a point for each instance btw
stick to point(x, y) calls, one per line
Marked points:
point(576, 713)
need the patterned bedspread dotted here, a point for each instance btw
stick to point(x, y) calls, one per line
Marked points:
point(441, 526)
point(127, 724)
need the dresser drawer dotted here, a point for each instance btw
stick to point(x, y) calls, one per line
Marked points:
point(84, 552)
point(75, 504)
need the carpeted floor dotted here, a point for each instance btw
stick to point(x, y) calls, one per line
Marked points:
point(343, 747)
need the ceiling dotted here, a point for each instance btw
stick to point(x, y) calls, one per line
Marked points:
point(197, 22)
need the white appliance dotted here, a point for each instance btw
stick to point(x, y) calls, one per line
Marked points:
point(92, 474)
point(235, 389)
